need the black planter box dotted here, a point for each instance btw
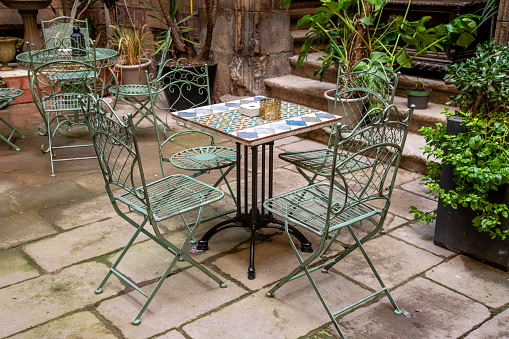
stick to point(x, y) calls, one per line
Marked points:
point(454, 229)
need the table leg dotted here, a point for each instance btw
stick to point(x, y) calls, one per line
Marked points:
point(253, 218)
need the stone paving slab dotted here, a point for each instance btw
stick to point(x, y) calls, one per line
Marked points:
point(474, 279)
point(171, 335)
point(35, 301)
point(429, 311)
point(83, 325)
point(15, 267)
point(78, 213)
point(495, 328)
point(274, 259)
point(417, 187)
point(166, 311)
point(395, 261)
point(421, 235)
point(294, 311)
point(23, 227)
point(402, 200)
point(81, 244)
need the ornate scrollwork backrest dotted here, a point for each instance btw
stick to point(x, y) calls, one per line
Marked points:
point(116, 147)
point(362, 90)
point(61, 28)
point(370, 151)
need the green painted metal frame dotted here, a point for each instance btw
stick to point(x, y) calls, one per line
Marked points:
point(119, 158)
point(7, 95)
point(179, 77)
point(362, 162)
point(376, 87)
point(137, 96)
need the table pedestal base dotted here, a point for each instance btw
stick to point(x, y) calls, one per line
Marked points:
point(254, 219)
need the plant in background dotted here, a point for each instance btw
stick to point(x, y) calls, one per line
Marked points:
point(182, 46)
point(353, 30)
point(131, 42)
point(480, 156)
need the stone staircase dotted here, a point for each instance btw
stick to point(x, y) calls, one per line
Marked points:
point(300, 87)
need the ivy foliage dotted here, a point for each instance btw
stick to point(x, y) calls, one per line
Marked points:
point(480, 156)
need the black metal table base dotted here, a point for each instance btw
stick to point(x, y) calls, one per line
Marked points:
point(253, 218)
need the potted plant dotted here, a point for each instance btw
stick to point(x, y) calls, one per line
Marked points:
point(132, 43)
point(354, 30)
point(469, 170)
point(418, 95)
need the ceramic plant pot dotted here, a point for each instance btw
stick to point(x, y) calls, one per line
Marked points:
point(351, 109)
point(418, 98)
point(134, 74)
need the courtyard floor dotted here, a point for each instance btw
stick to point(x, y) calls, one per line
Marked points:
point(58, 236)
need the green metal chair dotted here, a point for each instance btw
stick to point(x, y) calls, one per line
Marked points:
point(137, 96)
point(180, 83)
point(359, 93)
point(57, 80)
point(119, 158)
point(6, 96)
point(327, 208)
point(60, 28)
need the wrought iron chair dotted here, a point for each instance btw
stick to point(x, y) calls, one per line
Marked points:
point(60, 28)
point(119, 158)
point(359, 93)
point(57, 80)
point(176, 83)
point(139, 94)
point(327, 208)
point(6, 96)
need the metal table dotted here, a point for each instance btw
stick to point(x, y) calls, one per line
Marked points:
point(225, 120)
point(105, 58)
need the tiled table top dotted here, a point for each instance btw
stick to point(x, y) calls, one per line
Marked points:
point(225, 119)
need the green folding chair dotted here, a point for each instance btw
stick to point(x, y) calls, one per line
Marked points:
point(327, 208)
point(365, 91)
point(179, 83)
point(6, 96)
point(57, 81)
point(137, 96)
point(119, 158)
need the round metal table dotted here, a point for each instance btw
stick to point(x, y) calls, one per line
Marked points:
point(104, 57)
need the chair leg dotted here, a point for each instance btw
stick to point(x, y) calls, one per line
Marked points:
point(304, 266)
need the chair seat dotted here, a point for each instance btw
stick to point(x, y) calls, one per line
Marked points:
point(319, 161)
point(130, 90)
point(307, 207)
point(171, 196)
point(205, 157)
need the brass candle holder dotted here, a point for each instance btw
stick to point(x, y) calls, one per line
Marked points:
point(270, 109)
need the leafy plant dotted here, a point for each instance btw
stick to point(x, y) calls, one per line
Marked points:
point(480, 156)
point(353, 30)
point(131, 43)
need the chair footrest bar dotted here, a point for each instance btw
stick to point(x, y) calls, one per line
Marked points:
point(121, 276)
point(359, 302)
point(70, 159)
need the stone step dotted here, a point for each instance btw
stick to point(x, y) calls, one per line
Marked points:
point(298, 40)
point(441, 90)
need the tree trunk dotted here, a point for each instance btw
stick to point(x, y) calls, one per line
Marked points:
point(211, 12)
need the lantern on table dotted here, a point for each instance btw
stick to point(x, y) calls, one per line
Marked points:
point(77, 42)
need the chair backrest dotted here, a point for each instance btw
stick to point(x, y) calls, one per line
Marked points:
point(364, 158)
point(117, 149)
point(183, 84)
point(365, 87)
point(57, 78)
point(62, 27)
